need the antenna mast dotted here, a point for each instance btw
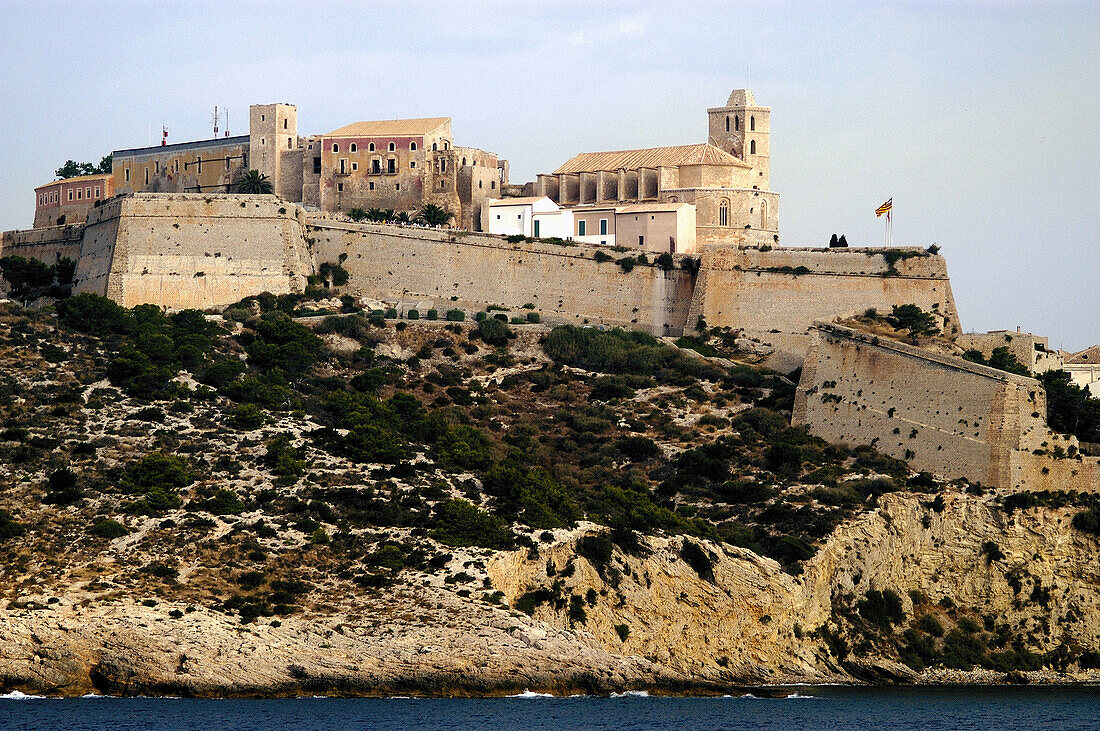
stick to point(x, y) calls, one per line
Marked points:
point(215, 121)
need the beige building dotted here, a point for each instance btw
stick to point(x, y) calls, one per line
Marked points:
point(726, 178)
point(657, 227)
point(1084, 368)
point(205, 166)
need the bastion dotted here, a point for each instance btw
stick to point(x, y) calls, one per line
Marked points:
point(940, 413)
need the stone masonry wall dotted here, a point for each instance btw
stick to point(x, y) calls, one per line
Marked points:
point(192, 250)
point(43, 244)
point(775, 295)
point(942, 414)
point(565, 283)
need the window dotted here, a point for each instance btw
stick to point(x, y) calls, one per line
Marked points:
point(343, 166)
point(736, 123)
point(498, 216)
point(479, 183)
point(581, 228)
point(176, 165)
point(376, 166)
point(443, 165)
point(370, 147)
point(289, 144)
point(263, 141)
point(147, 175)
point(493, 185)
point(355, 166)
point(724, 213)
point(441, 184)
point(412, 163)
point(353, 148)
point(392, 147)
point(536, 229)
point(97, 191)
point(370, 186)
point(752, 147)
point(641, 241)
point(727, 123)
point(435, 147)
point(412, 146)
point(284, 124)
point(88, 192)
point(397, 186)
point(335, 147)
point(316, 166)
point(126, 175)
point(339, 187)
point(391, 165)
point(70, 193)
point(227, 162)
point(463, 161)
point(263, 117)
point(78, 191)
point(752, 124)
point(310, 145)
point(446, 145)
point(157, 164)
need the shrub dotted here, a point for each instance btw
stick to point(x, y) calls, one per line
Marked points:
point(109, 529)
point(627, 263)
point(930, 625)
point(157, 478)
point(533, 317)
point(413, 314)
point(461, 523)
point(638, 448)
point(698, 559)
point(881, 608)
point(63, 488)
point(93, 314)
point(665, 261)
point(623, 631)
point(433, 314)
point(456, 315)
point(8, 527)
point(1088, 521)
point(601, 257)
point(224, 502)
point(597, 549)
point(494, 332)
point(390, 313)
point(247, 417)
point(283, 458)
point(992, 551)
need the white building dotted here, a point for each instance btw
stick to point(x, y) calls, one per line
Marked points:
point(538, 217)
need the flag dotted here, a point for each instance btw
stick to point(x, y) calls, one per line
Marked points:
point(884, 208)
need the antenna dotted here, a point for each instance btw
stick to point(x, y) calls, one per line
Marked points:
point(227, 121)
point(163, 135)
point(215, 120)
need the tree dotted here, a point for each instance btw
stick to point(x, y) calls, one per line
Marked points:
point(833, 242)
point(434, 215)
point(73, 169)
point(842, 242)
point(254, 182)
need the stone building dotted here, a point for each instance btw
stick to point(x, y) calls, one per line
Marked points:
point(205, 166)
point(727, 178)
point(68, 201)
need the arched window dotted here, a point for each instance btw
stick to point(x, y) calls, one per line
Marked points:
point(672, 200)
point(763, 214)
point(752, 147)
point(353, 148)
point(463, 161)
point(446, 145)
point(737, 123)
point(392, 147)
point(727, 123)
point(335, 147)
point(724, 212)
point(752, 124)
point(370, 147)
point(435, 147)
point(412, 146)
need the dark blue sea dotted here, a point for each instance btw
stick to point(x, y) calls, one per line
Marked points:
point(1002, 709)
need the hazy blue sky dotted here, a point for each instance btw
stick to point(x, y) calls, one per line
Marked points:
point(980, 119)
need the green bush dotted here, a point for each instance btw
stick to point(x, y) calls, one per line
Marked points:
point(109, 529)
point(601, 257)
point(157, 479)
point(391, 313)
point(283, 459)
point(881, 608)
point(494, 332)
point(638, 448)
point(623, 631)
point(627, 263)
point(531, 495)
point(246, 417)
point(455, 315)
point(8, 527)
point(461, 523)
point(413, 314)
point(623, 351)
point(224, 502)
point(283, 344)
point(665, 261)
point(597, 549)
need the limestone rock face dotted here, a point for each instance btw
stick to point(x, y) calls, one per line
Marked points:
point(640, 621)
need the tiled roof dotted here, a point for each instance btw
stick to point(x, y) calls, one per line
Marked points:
point(527, 200)
point(180, 146)
point(390, 127)
point(77, 179)
point(1088, 355)
point(652, 157)
point(647, 207)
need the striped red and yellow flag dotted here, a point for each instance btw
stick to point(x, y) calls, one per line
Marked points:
point(884, 208)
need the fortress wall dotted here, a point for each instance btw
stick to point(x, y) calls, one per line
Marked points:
point(765, 293)
point(942, 414)
point(565, 283)
point(43, 244)
point(192, 249)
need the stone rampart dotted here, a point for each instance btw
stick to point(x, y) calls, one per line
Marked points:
point(942, 414)
point(775, 295)
point(192, 249)
point(451, 268)
point(43, 244)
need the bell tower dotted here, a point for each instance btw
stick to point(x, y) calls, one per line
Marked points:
point(742, 129)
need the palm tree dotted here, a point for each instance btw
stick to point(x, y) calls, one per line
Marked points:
point(388, 214)
point(375, 214)
point(357, 214)
point(434, 215)
point(403, 217)
point(254, 182)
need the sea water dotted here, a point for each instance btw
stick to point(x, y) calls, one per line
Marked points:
point(1002, 709)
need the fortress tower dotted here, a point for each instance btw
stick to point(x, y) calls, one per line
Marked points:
point(273, 147)
point(742, 129)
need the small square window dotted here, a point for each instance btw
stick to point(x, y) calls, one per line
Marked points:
point(412, 163)
point(355, 166)
point(339, 187)
point(371, 186)
point(398, 186)
point(263, 117)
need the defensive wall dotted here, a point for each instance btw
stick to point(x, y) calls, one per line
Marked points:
point(775, 295)
point(458, 269)
point(207, 250)
point(940, 413)
point(191, 249)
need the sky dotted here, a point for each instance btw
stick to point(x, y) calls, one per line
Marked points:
point(980, 119)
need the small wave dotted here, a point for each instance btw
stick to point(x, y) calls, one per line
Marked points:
point(799, 695)
point(749, 695)
point(631, 694)
point(15, 695)
point(530, 694)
